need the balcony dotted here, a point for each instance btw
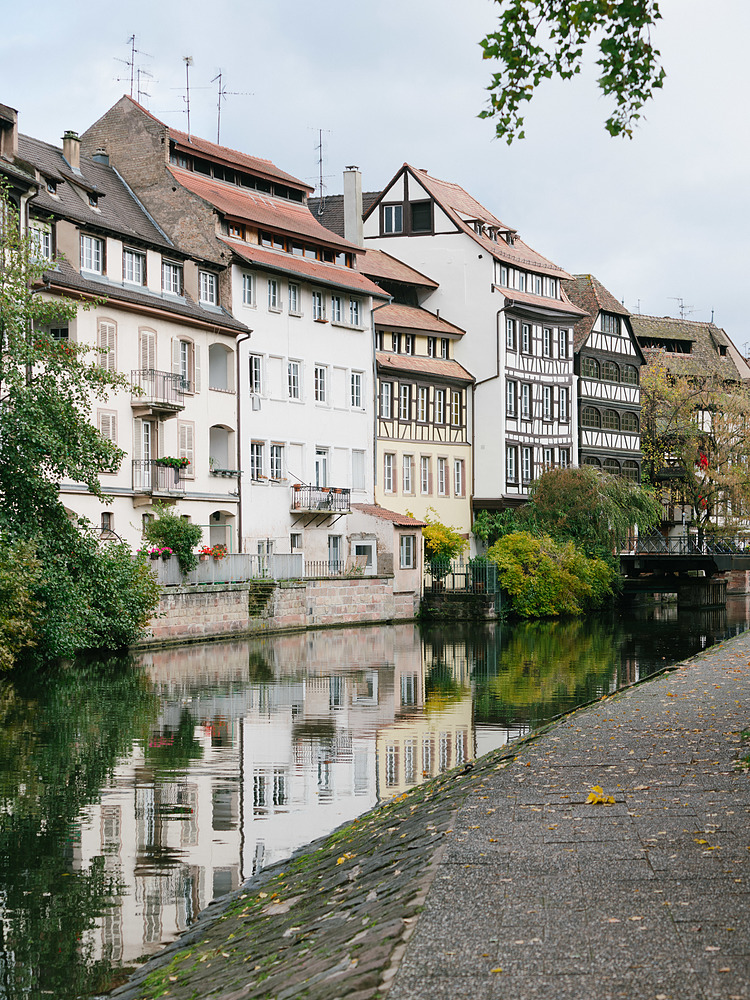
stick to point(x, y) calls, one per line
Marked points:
point(155, 393)
point(321, 499)
point(149, 476)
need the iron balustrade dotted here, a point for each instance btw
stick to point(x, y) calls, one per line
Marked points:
point(149, 476)
point(690, 545)
point(154, 388)
point(321, 498)
point(443, 575)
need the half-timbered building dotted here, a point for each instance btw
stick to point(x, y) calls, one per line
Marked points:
point(608, 359)
point(518, 321)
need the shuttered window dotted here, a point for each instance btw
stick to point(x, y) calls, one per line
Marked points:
point(185, 446)
point(107, 342)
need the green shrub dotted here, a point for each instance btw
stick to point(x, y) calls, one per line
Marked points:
point(543, 577)
point(172, 531)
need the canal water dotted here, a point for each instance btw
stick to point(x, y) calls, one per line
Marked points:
point(136, 791)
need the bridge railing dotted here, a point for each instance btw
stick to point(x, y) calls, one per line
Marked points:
point(690, 545)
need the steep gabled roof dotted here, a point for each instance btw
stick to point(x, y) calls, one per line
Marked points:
point(706, 341)
point(463, 210)
point(590, 294)
point(329, 211)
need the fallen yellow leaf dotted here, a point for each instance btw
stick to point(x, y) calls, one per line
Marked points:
point(598, 798)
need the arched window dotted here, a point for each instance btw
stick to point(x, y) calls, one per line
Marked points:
point(220, 367)
point(590, 460)
point(611, 421)
point(611, 371)
point(630, 374)
point(612, 466)
point(590, 368)
point(629, 423)
point(630, 471)
point(591, 417)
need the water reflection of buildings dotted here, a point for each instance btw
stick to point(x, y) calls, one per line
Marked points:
point(259, 748)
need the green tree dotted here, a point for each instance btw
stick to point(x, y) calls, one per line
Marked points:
point(47, 386)
point(440, 540)
point(540, 39)
point(170, 530)
point(19, 574)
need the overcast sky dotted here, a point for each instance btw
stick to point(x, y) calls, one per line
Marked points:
point(659, 218)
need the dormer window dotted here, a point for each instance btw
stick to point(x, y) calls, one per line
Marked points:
point(237, 230)
point(92, 254)
point(171, 277)
point(393, 218)
point(610, 323)
point(133, 267)
point(93, 199)
point(52, 186)
point(421, 216)
point(41, 236)
point(207, 288)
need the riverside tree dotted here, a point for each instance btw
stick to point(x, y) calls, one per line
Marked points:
point(539, 39)
point(86, 595)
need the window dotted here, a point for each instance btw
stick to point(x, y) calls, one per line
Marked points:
point(107, 424)
point(526, 338)
point(526, 401)
point(171, 277)
point(458, 477)
point(320, 383)
point(134, 267)
point(629, 423)
point(408, 343)
point(564, 458)
point(321, 467)
point(610, 323)
point(548, 458)
point(277, 461)
point(293, 379)
point(108, 521)
point(421, 216)
point(444, 348)
point(248, 289)
point(422, 403)
point(256, 459)
point(407, 474)
point(41, 237)
point(147, 349)
point(511, 388)
point(295, 540)
point(425, 475)
point(335, 308)
point(407, 550)
point(393, 218)
point(92, 254)
point(318, 307)
point(510, 463)
point(404, 402)
point(356, 390)
point(456, 409)
point(546, 402)
point(358, 470)
point(563, 339)
point(630, 470)
point(273, 295)
point(590, 368)
point(526, 465)
point(236, 229)
point(610, 371)
point(293, 297)
point(612, 466)
point(386, 394)
point(547, 343)
point(256, 373)
point(186, 446)
point(355, 317)
point(395, 342)
point(630, 374)
point(440, 406)
point(107, 344)
point(208, 290)
point(504, 276)
point(388, 472)
point(563, 405)
point(186, 363)
point(442, 477)
point(590, 417)
point(431, 346)
point(611, 420)
point(510, 334)
point(552, 288)
point(521, 281)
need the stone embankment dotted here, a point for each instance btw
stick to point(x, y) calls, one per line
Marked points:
point(608, 857)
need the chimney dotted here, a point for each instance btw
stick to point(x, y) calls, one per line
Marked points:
point(72, 150)
point(8, 132)
point(101, 156)
point(353, 231)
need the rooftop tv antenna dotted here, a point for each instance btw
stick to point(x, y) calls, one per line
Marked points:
point(222, 96)
point(141, 90)
point(321, 186)
point(130, 63)
point(188, 60)
point(685, 311)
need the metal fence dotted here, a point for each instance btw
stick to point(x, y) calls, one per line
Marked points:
point(151, 477)
point(692, 545)
point(336, 567)
point(467, 578)
point(233, 568)
point(158, 388)
point(321, 498)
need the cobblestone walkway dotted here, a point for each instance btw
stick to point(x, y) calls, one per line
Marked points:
point(506, 883)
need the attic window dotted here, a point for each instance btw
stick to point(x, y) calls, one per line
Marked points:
point(723, 350)
point(51, 186)
point(421, 216)
point(93, 199)
point(663, 344)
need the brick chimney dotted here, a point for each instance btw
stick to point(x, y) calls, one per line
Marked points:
point(72, 150)
point(353, 229)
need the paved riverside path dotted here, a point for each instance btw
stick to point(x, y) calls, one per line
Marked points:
point(505, 883)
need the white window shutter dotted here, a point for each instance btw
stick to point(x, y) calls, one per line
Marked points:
point(107, 343)
point(148, 349)
point(186, 449)
point(108, 426)
point(137, 438)
point(196, 368)
point(176, 364)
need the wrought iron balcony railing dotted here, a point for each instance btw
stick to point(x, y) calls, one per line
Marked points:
point(151, 477)
point(321, 498)
point(157, 390)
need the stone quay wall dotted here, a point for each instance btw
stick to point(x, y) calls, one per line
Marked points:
point(211, 611)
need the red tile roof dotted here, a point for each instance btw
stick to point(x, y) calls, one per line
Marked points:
point(312, 270)
point(441, 367)
point(589, 293)
point(400, 317)
point(379, 264)
point(399, 520)
point(563, 305)
point(234, 158)
point(260, 209)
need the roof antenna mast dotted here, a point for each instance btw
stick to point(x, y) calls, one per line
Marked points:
point(222, 96)
point(130, 63)
point(188, 60)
